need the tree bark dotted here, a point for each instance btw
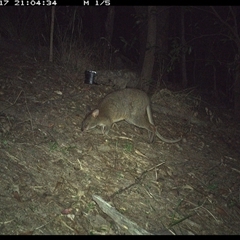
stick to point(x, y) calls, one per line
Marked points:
point(109, 23)
point(149, 58)
point(51, 34)
point(160, 66)
point(141, 12)
point(183, 43)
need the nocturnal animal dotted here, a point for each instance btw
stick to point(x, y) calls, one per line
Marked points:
point(131, 105)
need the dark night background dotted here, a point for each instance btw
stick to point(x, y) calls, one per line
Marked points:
point(210, 51)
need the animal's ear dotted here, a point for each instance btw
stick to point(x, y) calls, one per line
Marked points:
point(95, 113)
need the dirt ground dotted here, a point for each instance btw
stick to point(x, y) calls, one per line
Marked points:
point(50, 170)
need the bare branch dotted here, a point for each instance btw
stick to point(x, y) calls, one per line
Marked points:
point(234, 19)
point(232, 29)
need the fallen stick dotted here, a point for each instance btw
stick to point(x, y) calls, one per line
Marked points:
point(120, 219)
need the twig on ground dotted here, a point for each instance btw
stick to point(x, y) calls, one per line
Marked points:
point(12, 103)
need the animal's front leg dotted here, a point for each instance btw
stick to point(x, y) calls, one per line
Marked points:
point(105, 129)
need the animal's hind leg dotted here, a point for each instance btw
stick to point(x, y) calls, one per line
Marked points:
point(142, 122)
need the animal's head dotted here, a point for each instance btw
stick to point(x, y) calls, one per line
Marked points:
point(90, 121)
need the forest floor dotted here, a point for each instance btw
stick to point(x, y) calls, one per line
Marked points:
point(50, 170)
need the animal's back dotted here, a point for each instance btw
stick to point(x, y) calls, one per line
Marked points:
point(125, 103)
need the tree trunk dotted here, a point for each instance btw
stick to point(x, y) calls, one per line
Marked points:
point(51, 35)
point(160, 67)
point(109, 23)
point(183, 43)
point(149, 58)
point(141, 12)
point(109, 32)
